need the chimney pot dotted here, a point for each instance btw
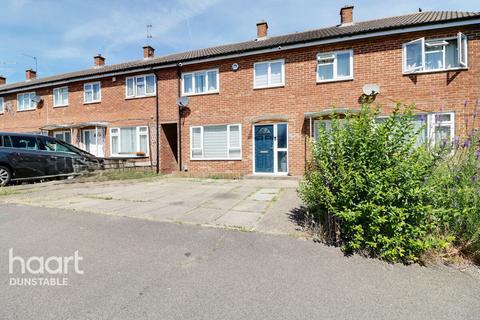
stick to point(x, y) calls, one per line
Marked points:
point(3, 80)
point(30, 74)
point(98, 60)
point(346, 15)
point(262, 29)
point(148, 52)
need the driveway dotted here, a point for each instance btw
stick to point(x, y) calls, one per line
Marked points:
point(255, 205)
point(139, 269)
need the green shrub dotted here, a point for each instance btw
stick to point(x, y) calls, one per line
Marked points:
point(366, 185)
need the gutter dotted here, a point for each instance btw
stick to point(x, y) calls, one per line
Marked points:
point(274, 48)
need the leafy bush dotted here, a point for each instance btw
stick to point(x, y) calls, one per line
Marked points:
point(367, 185)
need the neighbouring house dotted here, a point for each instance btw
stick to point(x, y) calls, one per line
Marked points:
point(253, 105)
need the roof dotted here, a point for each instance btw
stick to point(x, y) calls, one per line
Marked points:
point(365, 27)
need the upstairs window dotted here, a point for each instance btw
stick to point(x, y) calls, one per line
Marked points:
point(25, 101)
point(140, 86)
point(60, 97)
point(335, 66)
point(91, 92)
point(435, 55)
point(2, 108)
point(200, 82)
point(269, 74)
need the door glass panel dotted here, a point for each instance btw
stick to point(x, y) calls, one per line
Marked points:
point(281, 135)
point(282, 161)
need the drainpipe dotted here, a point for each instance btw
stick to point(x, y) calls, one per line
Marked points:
point(179, 93)
point(157, 131)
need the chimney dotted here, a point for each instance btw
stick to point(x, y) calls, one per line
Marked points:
point(346, 15)
point(98, 60)
point(3, 80)
point(30, 74)
point(262, 30)
point(148, 52)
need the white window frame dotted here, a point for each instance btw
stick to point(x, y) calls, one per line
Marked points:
point(2, 105)
point(55, 102)
point(85, 92)
point(138, 134)
point(206, 82)
point(63, 134)
point(461, 40)
point(432, 125)
point(227, 158)
point(32, 105)
point(335, 68)
point(135, 93)
point(269, 74)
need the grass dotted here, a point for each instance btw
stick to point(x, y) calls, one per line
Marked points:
point(99, 197)
point(6, 191)
point(129, 174)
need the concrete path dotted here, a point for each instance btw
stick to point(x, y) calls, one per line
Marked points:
point(263, 205)
point(139, 269)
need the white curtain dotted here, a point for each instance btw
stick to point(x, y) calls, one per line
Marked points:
point(128, 140)
point(261, 75)
point(343, 64)
point(276, 73)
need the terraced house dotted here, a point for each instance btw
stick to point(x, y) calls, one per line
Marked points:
point(253, 105)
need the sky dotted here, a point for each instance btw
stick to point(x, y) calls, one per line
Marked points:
point(64, 35)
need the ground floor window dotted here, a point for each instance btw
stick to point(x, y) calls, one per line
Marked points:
point(435, 127)
point(216, 142)
point(129, 141)
point(63, 135)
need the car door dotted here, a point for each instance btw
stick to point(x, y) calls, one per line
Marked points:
point(61, 157)
point(25, 157)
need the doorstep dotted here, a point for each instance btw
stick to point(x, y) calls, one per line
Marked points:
point(270, 177)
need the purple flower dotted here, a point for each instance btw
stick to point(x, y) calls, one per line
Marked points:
point(478, 154)
point(475, 178)
point(467, 143)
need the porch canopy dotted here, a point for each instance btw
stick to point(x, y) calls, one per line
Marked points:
point(72, 126)
point(311, 116)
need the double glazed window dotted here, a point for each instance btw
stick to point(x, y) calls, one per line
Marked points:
point(25, 101)
point(140, 86)
point(60, 97)
point(63, 135)
point(91, 92)
point(334, 66)
point(435, 55)
point(217, 142)
point(2, 107)
point(129, 141)
point(199, 82)
point(269, 74)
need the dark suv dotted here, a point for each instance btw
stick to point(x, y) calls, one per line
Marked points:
point(30, 156)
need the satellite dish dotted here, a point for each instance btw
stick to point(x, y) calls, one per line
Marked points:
point(36, 99)
point(371, 89)
point(182, 102)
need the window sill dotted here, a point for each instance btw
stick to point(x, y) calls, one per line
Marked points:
point(216, 159)
point(270, 87)
point(26, 110)
point(434, 71)
point(334, 80)
point(201, 93)
point(127, 156)
point(61, 106)
point(93, 102)
point(140, 97)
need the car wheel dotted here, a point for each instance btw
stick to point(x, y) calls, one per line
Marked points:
point(5, 176)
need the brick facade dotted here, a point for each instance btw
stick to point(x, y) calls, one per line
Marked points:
point(375, 60)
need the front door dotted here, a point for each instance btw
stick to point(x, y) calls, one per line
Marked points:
point(264, 162)
point(271, 148)
point(90, 141)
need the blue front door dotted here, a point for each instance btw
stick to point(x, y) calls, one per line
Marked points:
point(264, 159)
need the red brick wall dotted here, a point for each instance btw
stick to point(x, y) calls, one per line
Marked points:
point(375, 61)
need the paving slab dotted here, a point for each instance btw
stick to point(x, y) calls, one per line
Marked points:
point(242, 219)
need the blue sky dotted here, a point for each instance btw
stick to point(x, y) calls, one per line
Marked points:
point(65, 35)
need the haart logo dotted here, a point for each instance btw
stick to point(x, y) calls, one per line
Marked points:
point(36, 265)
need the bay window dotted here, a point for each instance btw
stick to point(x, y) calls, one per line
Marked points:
point(335, 66)
point(92, 92)
point(269, 74)
point(129, 141)
point(216, 142)
point(200, 82)
point(435, 55)
point(25, 101)
point(140, 86)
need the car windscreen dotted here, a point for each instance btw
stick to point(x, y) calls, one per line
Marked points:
point(55, 145)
